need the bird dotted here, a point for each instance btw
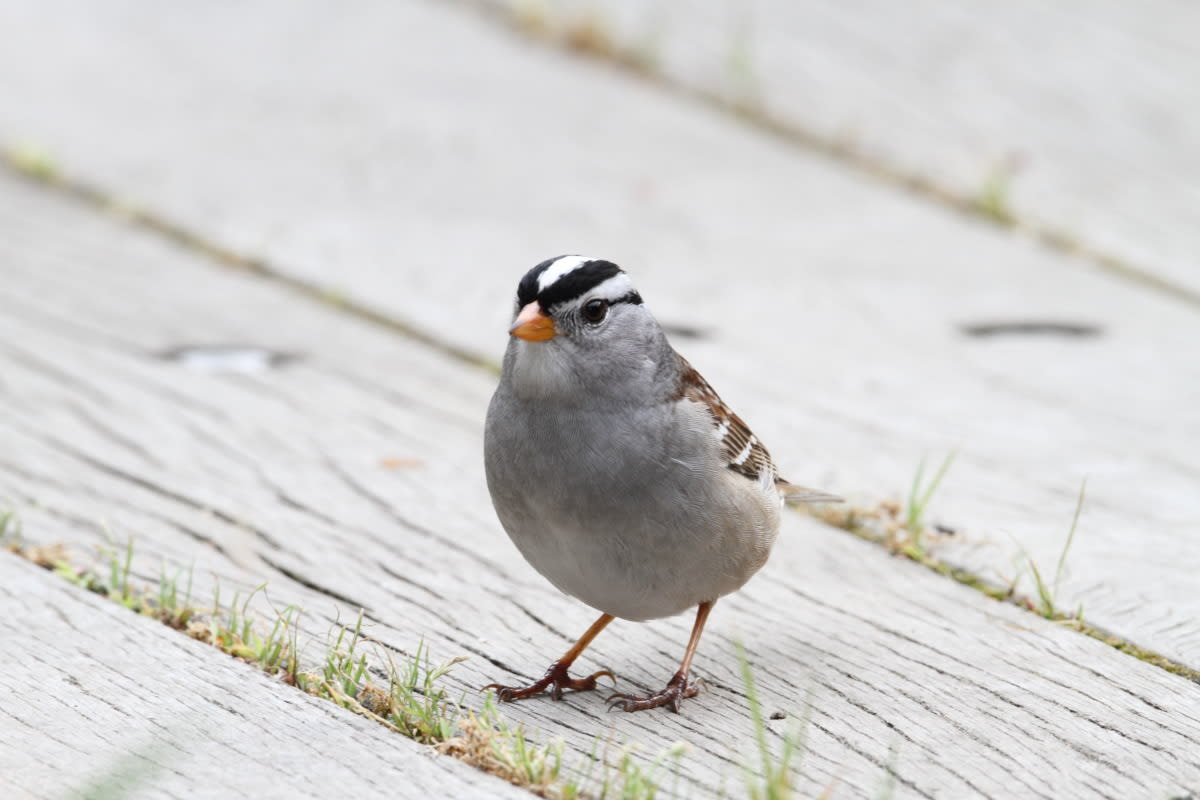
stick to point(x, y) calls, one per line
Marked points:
point(617, 470)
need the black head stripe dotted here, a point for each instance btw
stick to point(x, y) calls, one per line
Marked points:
point(577, 282)
point(527, 289)
point(630, 297)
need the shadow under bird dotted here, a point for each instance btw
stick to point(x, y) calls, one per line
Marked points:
point(617, 470)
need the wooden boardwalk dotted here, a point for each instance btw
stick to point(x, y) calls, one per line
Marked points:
point(343, 171)
point(1078, 118)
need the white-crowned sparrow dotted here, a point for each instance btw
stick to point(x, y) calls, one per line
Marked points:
point(616, 469)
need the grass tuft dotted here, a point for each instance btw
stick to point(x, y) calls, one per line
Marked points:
point(410, 699)
point(918, 502)
point(489, 742)
point(411, 702)
point(119, 588)
point(174, 609)
point(879, 525)
point(902, 530)
point(416, 704)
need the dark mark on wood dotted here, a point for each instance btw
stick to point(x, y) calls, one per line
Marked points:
point(1069, 330)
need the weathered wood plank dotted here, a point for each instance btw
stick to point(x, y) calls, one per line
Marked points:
point(1079, 116)
point(93, 697)
point(426, 198)
point(277, 475)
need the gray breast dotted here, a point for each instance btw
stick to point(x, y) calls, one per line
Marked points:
point(629, 510)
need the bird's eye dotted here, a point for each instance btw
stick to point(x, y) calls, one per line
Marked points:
point(594, 311)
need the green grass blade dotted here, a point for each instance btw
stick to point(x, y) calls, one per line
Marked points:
point(1062, 557)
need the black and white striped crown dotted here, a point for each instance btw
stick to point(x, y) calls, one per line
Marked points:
point(563, 279)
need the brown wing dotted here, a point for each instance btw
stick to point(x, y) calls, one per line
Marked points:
point(744, 453)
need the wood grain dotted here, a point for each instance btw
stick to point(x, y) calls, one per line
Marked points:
point(283, 475)
point(1080, 116)
point(832, 307)
point(97, 701)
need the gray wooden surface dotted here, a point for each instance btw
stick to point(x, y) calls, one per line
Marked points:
point(411, 180)
point(1086, 110)
point(280, 476)
point(97, 702)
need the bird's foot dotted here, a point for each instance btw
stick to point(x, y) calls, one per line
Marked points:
point(677, 689)
point(556, 679)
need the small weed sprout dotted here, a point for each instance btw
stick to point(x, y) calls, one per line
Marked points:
point(993, 199)
point(172, 609)
point(10, 531)
point(918, 498)
point(1047, 604)
point(119, 588)
point(291, 654)
point(774, 782)
point(271, 652)
point(918, 502)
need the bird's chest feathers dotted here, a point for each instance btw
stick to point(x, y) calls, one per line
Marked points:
point(591, 447)
point(601, 451)
point(588, 467)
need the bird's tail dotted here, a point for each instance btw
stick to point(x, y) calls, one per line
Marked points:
point(800, 494)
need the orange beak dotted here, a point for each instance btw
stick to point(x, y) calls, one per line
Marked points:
point(533, 324)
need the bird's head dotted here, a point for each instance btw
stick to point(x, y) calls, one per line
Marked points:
point(579, 321)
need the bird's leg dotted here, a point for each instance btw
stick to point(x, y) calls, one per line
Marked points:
point(556, 677)
point(679, 686)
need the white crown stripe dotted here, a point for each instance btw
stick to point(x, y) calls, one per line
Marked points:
point(559, 268)
point(612, 289)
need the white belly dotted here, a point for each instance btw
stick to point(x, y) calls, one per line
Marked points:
point(648, 569)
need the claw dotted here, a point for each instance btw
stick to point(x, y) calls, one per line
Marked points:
point(604, 673)
point(556, 679)
point(616, 701)
point(503, 693)
point(678, 688)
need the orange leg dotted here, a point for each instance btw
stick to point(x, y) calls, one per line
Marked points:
point(679, 686)
point(556, 677)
